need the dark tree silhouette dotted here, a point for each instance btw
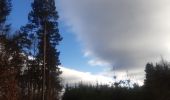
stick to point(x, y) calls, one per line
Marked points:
point(102, 92)
point(43, 23)
point(10, 57)
point(157, 81)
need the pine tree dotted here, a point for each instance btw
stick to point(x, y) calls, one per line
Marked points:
point(42, 26)
point(11, 62)
point(11, 56)
point(7, 74)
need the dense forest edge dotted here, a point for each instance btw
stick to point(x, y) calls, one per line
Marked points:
point(156, 87)
point(22, 70)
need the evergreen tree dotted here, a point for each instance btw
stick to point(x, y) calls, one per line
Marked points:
point(11, 63)
point(157, 81)
point(7, 73)
point(11, 56)
point(43, 23)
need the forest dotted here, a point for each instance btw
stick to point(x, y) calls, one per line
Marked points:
point(29, 60)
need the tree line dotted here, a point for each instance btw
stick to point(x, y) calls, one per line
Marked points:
point(156, 87)
point(22, 54)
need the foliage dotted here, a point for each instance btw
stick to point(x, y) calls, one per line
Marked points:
point(156, 87)
point(102, 92)
point(11, 59)
point(157, 81)
point(21, 54)
point(42, 26)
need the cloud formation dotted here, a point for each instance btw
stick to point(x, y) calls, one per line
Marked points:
point(124, 33)
point(72, 77)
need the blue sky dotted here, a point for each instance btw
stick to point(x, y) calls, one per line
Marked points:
point(101, 35)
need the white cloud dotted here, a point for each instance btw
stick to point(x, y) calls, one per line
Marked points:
point(97, 62)
point(87, 53)
point(71, 76)
point(123, 33)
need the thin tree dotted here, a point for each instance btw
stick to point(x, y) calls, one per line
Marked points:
point(44, 60)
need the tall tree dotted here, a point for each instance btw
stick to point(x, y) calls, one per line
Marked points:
point(11, 56)
point(43, 26)
point(8, 84)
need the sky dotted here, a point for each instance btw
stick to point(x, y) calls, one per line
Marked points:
point(103, 38)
